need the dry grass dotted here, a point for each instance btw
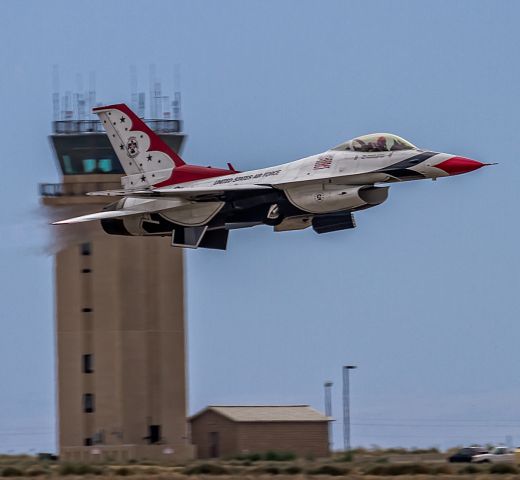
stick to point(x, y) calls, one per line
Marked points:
point(362, 465)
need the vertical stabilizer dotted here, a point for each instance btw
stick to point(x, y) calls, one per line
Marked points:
point(145, 158)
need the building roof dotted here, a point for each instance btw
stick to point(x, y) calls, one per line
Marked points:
point(266, 413)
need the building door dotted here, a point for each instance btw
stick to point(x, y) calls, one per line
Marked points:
point(154, 434)
point(214, 447)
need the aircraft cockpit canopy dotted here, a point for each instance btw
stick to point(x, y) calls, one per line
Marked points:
point(376, 142)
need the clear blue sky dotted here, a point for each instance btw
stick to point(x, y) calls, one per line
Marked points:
point(423, 295)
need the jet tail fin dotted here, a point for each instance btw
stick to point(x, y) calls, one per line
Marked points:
point(145, 158)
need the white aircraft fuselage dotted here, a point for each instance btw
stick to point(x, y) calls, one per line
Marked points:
point(198, 206)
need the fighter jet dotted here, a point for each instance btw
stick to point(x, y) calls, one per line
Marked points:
point(161, 195)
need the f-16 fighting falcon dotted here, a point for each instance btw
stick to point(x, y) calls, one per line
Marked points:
point(198, 206)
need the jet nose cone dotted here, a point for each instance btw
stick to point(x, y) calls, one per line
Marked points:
point(458, 165)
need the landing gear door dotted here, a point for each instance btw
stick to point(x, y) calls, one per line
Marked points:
point(188, 237)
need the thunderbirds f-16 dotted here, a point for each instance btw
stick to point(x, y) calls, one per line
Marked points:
point(198, 206)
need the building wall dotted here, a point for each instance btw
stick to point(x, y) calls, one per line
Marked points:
point(124, 453)
point(122, 304)
point(208, 422)
point(300, 438)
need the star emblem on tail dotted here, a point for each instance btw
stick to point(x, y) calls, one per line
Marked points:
point(132, 148)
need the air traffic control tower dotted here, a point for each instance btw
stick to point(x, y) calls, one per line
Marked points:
point(121, 377)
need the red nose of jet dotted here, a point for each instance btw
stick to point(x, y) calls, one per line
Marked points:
point(458, 165)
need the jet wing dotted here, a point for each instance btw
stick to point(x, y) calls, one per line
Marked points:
point(156, 200)
point(181, 192)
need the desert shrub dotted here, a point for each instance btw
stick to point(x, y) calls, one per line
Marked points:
point(396, 451)
point(440, 470)
point(293, 470)
point(359, 451)
point(67, 469)
point(237, 463)
point(124, 471)
point(251, 457)
point(469, 469)
point(206, 469)
point(328, 470)
point(503, 468)
point(270, 456)
point(35, 472)
point(345, 457)
point(399, 469)
point(424, 450)
point(80, 469)
point(271, 469)
point(381, 460)
point(11, 459)
point(273, 456)
point(11, 472)
point(89, 470)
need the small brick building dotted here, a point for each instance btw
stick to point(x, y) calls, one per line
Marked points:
point(224, 431)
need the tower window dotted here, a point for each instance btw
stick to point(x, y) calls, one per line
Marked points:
point(86, 310)
point(88, 442)
point(86, 270)
point(88, 402)
point(86, 248)
point(88, 363)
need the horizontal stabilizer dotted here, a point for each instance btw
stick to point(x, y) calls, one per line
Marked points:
point(139, 206)
point(97, 216)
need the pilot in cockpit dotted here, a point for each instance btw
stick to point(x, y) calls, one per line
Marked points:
point(381, 144)
point(376, 143)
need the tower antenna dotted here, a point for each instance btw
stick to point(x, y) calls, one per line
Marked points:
point(176, 104)
point(55, 93)
point(133, 87)
point(153, 111)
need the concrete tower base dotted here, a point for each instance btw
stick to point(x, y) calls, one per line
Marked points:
point(121, 350)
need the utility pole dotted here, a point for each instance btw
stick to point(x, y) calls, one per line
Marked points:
point(328, 410)
point(346, 406)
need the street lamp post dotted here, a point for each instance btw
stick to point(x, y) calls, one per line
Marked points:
point(346, 406)
point(328, 410)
